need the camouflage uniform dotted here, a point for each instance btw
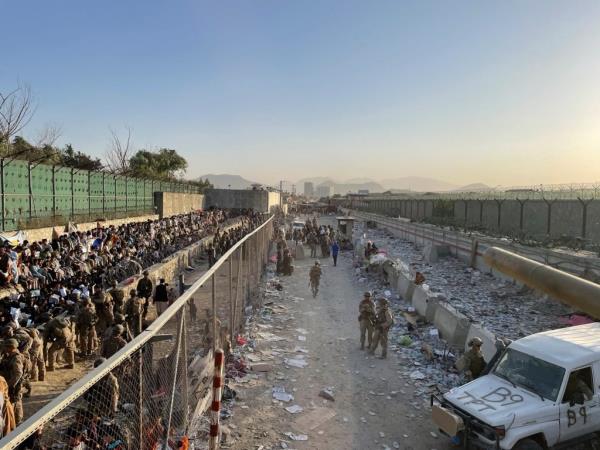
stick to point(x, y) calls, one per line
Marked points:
point(106, 389)
point(12, 368)
point(134, 310)
point(25, 342)
point(383, 323)
point(114, 343)
point(104, 311)
point(366, 317)
point(36, 355)
point(86, 329)
point(58, 332)
point(118, 297)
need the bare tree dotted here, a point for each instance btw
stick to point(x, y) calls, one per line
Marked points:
point(119, 153)
point(17, 107)
point(48, 135)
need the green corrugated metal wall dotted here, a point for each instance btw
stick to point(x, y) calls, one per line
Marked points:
point(60, 193)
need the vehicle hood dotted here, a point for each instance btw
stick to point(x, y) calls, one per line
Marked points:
point(496, 402)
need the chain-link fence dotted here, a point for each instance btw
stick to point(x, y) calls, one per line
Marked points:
point(154, 392)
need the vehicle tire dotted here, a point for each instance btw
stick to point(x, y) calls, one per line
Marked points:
point(528, 444)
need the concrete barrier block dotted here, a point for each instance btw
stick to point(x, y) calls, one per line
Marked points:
point(452, 325)
point(489, 340)
point(424, 302)
point(406, 287)
point(433, 252)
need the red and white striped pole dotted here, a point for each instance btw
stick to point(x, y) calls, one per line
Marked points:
point(215, 409)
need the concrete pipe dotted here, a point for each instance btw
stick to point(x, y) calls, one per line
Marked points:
point(581, 294)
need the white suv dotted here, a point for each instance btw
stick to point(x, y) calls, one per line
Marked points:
point(543, 391)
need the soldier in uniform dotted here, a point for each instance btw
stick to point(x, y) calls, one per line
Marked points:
point(134, 310)
point(103, 397)
point(24, 342)
point(473, 359)
point(86, 327)
point(36, 355)
point(115, 343)
point(383, 322)
point(58, 332)
point(104, 311)
point(119, 320)
point(366, 317)
point(12, 368)
point(144, 290)
point(315, 278)
point(118, 298)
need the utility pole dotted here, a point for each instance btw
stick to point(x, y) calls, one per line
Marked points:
point(281, 195)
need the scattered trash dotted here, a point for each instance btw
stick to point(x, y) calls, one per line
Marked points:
point(296, 362)
point(327, 394)
point(295, 409)
point(280, 394)
point(296, 437)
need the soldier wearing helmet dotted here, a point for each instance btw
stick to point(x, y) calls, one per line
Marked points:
point(473, 359)
point(366, 318)
point(383, 322)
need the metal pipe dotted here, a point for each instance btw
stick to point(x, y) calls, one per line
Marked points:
point(581, 294)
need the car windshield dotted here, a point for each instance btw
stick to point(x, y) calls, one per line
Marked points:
point(533, 374)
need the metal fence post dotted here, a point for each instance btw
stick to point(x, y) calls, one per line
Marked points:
point(30, 188)
point(103, 194)
point(54, 194)
point(184, 349)
point(175, 372)
point(126, 194)
point(89, 189)
point(3, 193)
point(216, 403)
point(231, 314)
point(214, 314)
point(72, 193)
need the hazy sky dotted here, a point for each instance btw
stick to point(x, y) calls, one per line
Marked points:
point(504, 92)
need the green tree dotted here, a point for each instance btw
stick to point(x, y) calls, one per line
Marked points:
point(71, 158)
point(165, 164)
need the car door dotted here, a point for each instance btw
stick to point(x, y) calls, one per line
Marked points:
point(580, 403)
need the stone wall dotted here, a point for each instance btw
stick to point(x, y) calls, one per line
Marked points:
point(173, 203)
point(38, 234)
point(259, 200)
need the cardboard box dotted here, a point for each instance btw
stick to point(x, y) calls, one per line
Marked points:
point(446, 420)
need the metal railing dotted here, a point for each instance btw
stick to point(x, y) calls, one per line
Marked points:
point(163, 374)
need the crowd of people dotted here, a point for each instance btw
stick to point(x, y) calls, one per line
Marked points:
point(63, 307)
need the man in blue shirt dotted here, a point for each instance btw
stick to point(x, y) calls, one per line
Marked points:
point(335, 248)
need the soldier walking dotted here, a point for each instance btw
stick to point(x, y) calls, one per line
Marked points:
point(12, 368)
point(315, 278)
point(383, 322)
point(118, 298)
point(366, 317)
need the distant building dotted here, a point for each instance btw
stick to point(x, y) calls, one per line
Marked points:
point(324, 191)
point(309, 189)
point(363, 192)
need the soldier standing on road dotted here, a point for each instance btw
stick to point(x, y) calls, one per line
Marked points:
point(104, 311)
point(36, 355)
point(118, 298)
point(86, 327)
point(366, 317)
point(12, 368)
point(383, 322)
point(144, 290)
point(135, 310)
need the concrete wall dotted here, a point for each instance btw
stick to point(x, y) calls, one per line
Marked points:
point(259, 200)
point(46, 233)
point(173, 203)
point(535, 218)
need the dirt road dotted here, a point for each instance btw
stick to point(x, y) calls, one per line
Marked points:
point(374, 407)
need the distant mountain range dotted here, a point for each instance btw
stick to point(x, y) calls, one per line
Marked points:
point(226, 181)
point(402, 184)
